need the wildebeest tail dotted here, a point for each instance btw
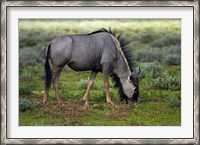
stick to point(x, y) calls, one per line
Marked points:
point(48, 74)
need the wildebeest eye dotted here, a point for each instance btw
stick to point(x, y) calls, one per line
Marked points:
point(133, 79)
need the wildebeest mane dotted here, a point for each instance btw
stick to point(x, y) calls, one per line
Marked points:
point(128, 55)
point(123, 43)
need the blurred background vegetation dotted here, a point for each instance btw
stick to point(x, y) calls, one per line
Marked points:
point(156, 48)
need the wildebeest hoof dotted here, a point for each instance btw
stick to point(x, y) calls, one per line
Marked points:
point(86, 106)
point(85, 101)
point(60, 102)
point(113, 104)
point(45, 103)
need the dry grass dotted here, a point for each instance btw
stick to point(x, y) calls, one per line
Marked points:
point(77, 108)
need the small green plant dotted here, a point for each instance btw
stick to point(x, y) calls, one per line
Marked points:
point(98, 85)
point(25, 105)
point(62, 85)
point(25, 90)
point(175, 101)
point(82, 84)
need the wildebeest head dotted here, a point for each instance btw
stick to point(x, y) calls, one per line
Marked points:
point(134, 79)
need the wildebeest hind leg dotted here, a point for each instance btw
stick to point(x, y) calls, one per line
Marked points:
point(55, 78)
point(90, 83)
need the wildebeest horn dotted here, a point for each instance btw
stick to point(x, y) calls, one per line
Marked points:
point(139, 71)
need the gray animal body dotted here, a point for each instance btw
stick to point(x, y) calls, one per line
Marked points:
point(99, 51)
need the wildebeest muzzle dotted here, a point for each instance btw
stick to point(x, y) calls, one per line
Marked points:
point(135, 97)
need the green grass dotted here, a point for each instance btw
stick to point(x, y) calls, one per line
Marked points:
point(159, 105)
point(153, 107)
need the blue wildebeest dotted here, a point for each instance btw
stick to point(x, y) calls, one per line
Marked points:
point(99, 51)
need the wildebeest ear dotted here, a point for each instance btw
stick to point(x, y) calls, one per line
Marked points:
point(132, 74)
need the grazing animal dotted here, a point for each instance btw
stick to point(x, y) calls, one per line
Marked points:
point(99, 51)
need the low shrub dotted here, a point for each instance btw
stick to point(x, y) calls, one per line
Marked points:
point(29, 57)
point(168, 56)
point(35, 37)
point(130, 37)
point(166, 82)
point(175, 49)
point(25, 105)
point(148, 36)
point(173, 55)
point(154, 69)
point(167, 40)
point(148, 55)
point(28, 38)
point(26, 58)
point(172, 59)
point(175, 101)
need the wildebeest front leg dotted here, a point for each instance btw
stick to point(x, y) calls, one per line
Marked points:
point(90, 83)
point(106, 85)
point(55, 78)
